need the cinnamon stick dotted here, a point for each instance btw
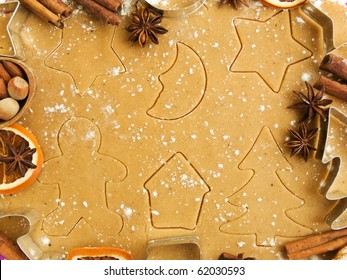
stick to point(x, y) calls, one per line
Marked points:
point(112, 5)
point(314, 240)
point(57, 6)
point(100, 12)
point(332, 88)
point(316, 244)
point(335, 64)
point(9, 249)
point(40, 10)
point(320, 249)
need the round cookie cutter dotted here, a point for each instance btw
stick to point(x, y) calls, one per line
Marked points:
point(190, 7)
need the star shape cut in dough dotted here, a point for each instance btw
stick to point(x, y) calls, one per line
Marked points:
point(271, 59)
point(85, 52)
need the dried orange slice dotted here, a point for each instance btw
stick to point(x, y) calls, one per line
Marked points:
point(283, 4)
point(21, 158)
point(98, 253)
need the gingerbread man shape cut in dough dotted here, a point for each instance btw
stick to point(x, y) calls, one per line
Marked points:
point(82, 173)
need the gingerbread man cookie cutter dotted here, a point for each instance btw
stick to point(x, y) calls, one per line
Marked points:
point(25, 242)
point(11, 7)
point(189, 8)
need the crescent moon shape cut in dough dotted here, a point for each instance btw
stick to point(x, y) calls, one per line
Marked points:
point(184, 86)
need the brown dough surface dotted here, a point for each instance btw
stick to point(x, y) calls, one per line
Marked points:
point(5, 43)
point(184, 138)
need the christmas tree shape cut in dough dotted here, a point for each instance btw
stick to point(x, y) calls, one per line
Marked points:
point(176, 192)
point(184, 86)
point(265, 199)
point(82, 174)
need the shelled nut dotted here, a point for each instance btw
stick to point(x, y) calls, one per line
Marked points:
point(18, 88)
point(13, 69)
point(4, 74)
point(3, 89)
point(8, 108)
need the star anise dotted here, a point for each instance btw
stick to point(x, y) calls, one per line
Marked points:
point(145, 25)
point(236, 3)
point(301, 144)
point(228, 256)
point(311, 104)
point(21, 159)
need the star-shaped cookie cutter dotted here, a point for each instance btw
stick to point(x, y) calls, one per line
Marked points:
point(10, 7)
point(334, 191)
point(25, 242)
point(174, 12)
point(324, 21)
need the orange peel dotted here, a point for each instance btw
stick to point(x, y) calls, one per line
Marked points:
point(283, 4)
point(98, 253)
point(17, 183)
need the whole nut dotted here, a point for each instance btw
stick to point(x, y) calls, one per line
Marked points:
point(3, 89)
point(13, 69)
point(8, 108)
point(4, 74)
point(18, 88)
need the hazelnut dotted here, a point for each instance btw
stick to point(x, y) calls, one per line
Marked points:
point(8, 108)
point(18, 88)
point(4, 74)
point(13, 69)
point(3, 89)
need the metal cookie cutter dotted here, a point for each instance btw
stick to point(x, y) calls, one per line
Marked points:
point(337, 218)
point(10, 7)
point(334, 189)
point(25, 242)
point(189, 7)
point(324, 21)
point(162, 245)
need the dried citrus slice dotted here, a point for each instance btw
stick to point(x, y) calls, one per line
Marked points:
point(21, 158)
point(283, 4)
point(98, 253)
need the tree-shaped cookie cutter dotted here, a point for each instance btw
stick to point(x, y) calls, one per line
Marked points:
point(11, 7)
point(337, 218)
point(25, 242)
point(191, 7)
